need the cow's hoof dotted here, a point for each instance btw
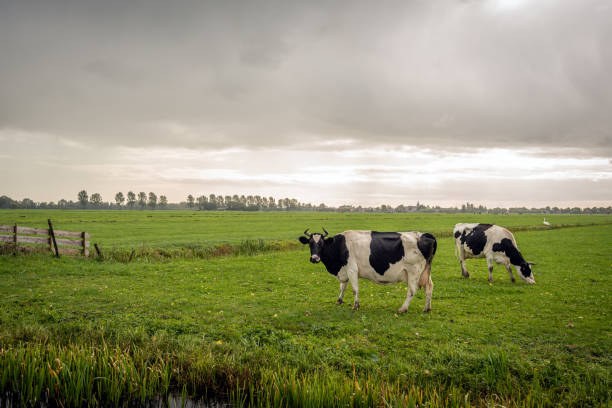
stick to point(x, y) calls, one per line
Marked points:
point(427, 310)
point(402, 310)
point(490, 280)
point(339, 302)
point(356, 306)
point(513, 280)
point(465, 274)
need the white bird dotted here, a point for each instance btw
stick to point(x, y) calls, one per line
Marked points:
point(546, 222)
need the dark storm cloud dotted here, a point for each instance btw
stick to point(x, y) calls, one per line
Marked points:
point(442, 74)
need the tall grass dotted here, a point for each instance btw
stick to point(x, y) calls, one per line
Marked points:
point(78, 375)
point(243, 248)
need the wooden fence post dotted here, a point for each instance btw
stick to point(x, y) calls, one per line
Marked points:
point(85, 250)
point(15, 239)
point(98, 250)
point(53, 237)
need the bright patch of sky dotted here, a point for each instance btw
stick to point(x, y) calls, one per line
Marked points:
point(346, 173)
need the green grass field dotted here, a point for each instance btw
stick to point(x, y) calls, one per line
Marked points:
point(167, 229)
point(264, 330)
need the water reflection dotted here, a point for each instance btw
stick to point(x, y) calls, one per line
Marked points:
point(171, 401)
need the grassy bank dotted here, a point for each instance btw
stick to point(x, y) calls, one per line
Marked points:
point(263, 329)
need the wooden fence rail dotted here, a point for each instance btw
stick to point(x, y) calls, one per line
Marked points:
point(68, 242)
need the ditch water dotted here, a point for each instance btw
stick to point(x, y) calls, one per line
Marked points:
point(171, 401)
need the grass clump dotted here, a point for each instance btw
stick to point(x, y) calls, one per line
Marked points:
point(243, 248)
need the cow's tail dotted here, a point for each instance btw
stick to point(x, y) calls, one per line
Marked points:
point(427, 245)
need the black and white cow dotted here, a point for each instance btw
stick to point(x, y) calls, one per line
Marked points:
point(494, 243)
point(382, 257)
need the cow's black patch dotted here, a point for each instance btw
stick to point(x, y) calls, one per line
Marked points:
point(385, 248)
point(476, 238)
point(457, 234)
point(334, 253)
point(427, 244)
point(506, 246)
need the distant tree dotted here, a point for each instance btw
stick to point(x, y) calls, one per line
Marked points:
point(27, 203)
point(96, 200)
point(62, 203)
point(131, 199)
point(119, 199)
point(190, 201)
point(152, 200)
point(6, 202)
point(163, 201)
point(83, 198)
point(202, 201)
point(142, 200)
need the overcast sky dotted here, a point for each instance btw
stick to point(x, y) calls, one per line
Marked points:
point(499, 102)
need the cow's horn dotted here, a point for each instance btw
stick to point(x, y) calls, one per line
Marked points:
point(326, 233)
point(530, 263)
point(307, 234)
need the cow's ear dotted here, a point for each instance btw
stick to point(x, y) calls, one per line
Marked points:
point(328, 241)
point(304, 240)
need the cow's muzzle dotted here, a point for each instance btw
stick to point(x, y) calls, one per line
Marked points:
point(315, 259)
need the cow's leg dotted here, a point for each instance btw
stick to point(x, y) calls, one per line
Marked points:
point(461, 256)
point(354, 279)
point(411, 291)
point(490, 265)
point(428, 291)
point(341, 296)
point(464, 271)
point(509, 268)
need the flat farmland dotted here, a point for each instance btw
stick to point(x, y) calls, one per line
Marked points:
point(164, 229)
point(264, 330)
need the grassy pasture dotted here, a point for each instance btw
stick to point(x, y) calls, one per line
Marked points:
point(167, 229)
point(264, 329)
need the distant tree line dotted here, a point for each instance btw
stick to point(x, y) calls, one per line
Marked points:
point(214, 202)
point(248, 203)
point(95, 201)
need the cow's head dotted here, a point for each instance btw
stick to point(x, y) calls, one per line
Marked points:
point(316, 242)
point(524, 271)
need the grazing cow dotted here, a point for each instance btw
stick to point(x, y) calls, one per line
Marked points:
point(494, 243)
point(382, 257)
